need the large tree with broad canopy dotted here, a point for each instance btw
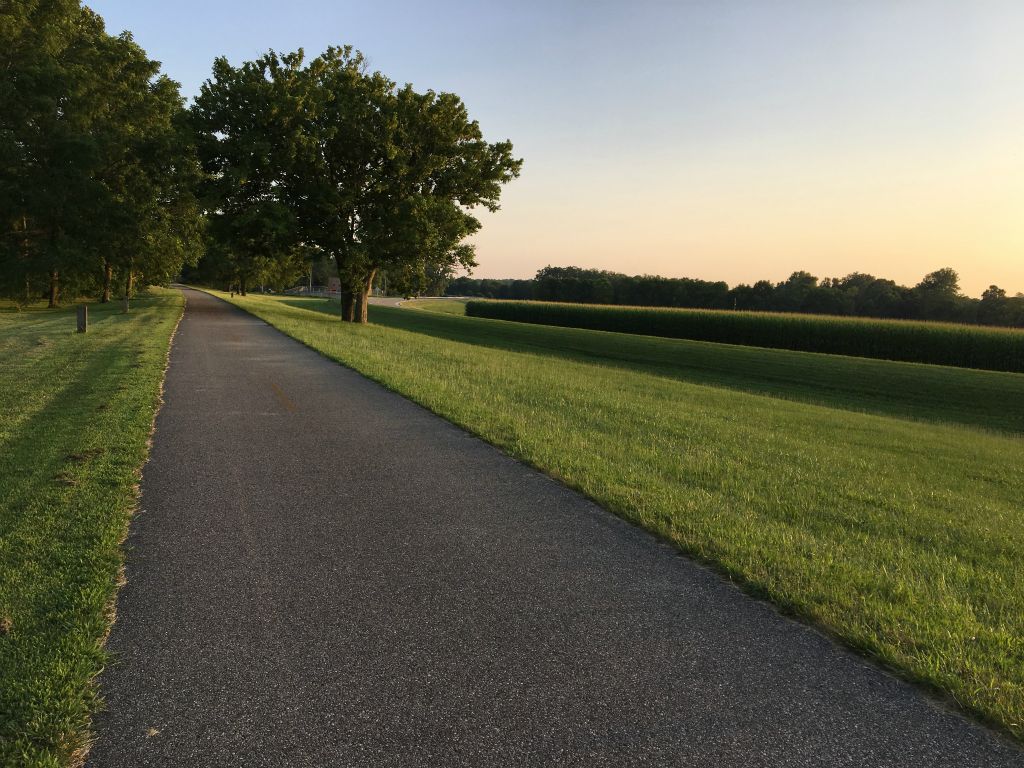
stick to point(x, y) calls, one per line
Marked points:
point(339, 161)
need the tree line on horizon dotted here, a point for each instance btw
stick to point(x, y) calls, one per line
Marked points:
point(108, 178)
point(937, 297)
point(284, 167)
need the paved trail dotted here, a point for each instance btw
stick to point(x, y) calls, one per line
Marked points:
point(324, 574)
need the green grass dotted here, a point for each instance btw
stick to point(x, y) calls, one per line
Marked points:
point(967, 346)
point(909, 390)
point(903, 538)
point(75, 418)
point(444, 306)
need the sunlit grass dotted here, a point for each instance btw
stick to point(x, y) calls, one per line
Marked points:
point(967, 346)
point(444, 306)
point(910, 390)
point(75, 416)
point(902, 537)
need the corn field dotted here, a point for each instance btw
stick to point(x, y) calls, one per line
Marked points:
point(964, 346)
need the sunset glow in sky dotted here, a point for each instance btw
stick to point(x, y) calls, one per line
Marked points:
point(726, 140)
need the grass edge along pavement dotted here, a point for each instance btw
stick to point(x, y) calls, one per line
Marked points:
point(967, 346)
point(900, 538)
point(71, 453)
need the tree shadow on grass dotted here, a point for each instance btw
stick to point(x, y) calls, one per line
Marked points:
point(936, 394)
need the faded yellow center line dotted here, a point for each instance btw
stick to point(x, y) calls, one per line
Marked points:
point(285, 400)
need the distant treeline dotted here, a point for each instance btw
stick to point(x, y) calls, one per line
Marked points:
point(936, 297)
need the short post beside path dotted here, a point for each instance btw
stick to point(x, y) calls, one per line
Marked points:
point(83, 318)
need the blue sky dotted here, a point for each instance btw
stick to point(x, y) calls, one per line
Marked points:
point(725, 140)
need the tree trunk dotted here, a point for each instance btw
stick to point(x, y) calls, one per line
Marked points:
point(359, 310)
point(348, 305)
point(54, 288)
point(128, 280)
point(363, 299)
point(108, 275)
point(345, 294)
point(26, 255)
point(241, 285)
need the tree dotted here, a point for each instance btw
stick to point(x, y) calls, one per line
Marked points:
point(48, 153)
point(827, 299)
point(246, 121)
point(757, 297)
point(944, 282)
point(882, 298)
point(592, 285)
point(995, 308)
point(386, 178)
point(286, 270)
point(148, 168)
point(1016, 310)
point(337, 174)
point(935, 297)
point(341, 162)
point(791, 295)
point(93, 167)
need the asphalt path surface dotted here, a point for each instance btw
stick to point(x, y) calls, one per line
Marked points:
point(325, 574)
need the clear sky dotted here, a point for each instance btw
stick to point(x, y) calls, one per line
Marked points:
point(721, 139)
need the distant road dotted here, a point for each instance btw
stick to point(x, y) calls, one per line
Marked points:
point(324, 574)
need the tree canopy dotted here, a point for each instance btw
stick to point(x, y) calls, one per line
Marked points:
point(279, 163)
point(328, 159)
point(96, 173)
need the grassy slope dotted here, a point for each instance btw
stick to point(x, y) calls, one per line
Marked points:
point(903, 538)
point(444, 306)
point(936, 393)
point(956, 344)
point(75, 418)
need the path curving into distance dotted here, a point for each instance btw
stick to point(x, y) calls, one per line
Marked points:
point(325, 574)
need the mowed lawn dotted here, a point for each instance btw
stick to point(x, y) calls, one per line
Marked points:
point(444, 306)
point(902, 535)
point(909, 390)
point(75, 417)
